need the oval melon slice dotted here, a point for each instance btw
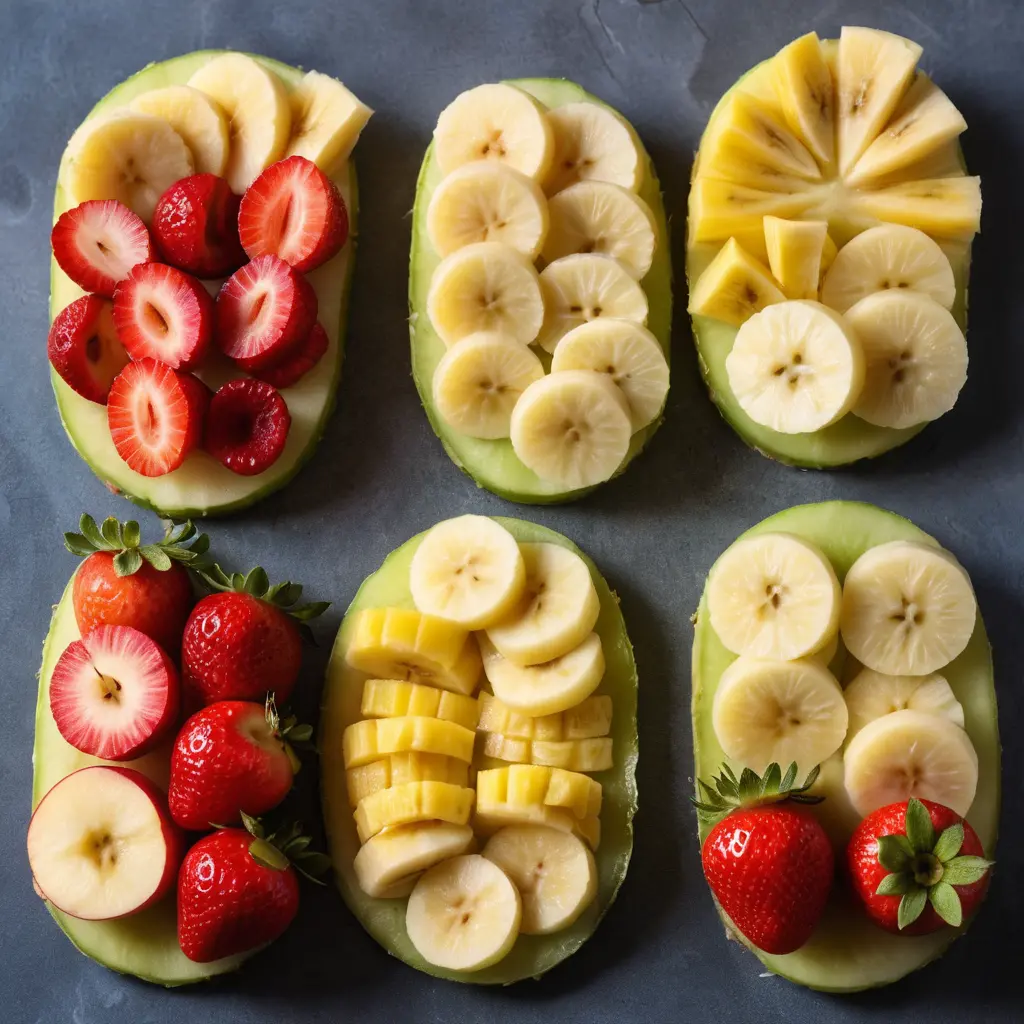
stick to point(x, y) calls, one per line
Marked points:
point(202, 486)
point(847, 952)
point(492, 463)
point(532, 955)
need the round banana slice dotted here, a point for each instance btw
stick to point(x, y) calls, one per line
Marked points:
point(584, 287)
point(495, 122)
point(629, 354)
point(908, 609)
point(598, 217)
point(910, 753)
point(486, 286)
point(545, 689)
point(467, 570)
point(258, 111)
point(780, 711)
point(775, 596)
point(592, 143)
point(557, 612)
point(464, 914)
point(890, 256)
point(554, 872)
point(915, 358)
point(572, 428)
point(795, 367)
point(198, 119)
point(871, 694)
point(387, 862)
point(826, 654)
point(130, 157)
point(486, 201)
point(327, 120)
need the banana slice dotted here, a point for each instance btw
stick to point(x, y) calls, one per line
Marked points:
point(943, 207)
point(734, 286)
point(584, 287)
point(495, 122)
point(826, 655)
point(795, 248)
point(390, 859)
point(908, 609)
point(478, 382)
point(923, 123)
point(412, 801)
point(803, 85)
point(326, 121)
point(910, 753)
point(629, 354)
point(548, 688)
point(599, 217)
point(258, 112)
point(873, 70)
point(796, 367)
point(486, 201)
point(198, 119)
point(774, 596)
point(579, 755)
point(557, 612)
point(884, 257)
point(527, 784)
point(373, 738)
point(828, 256)
point(467, 570)
point(554, 872)
point(915, 358)
point(489, 287)
point(396, 698)
point(572, 428)
point(592, 143)
point(130, 157)
point(782, 711)
point(870, 695)
point(589, 719)
point(397, 769)
point(494, 811)
point(496, 717)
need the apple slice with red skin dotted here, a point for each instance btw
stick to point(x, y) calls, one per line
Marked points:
point(84, 348)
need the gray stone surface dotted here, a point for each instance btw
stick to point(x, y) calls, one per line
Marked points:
point(380, 475)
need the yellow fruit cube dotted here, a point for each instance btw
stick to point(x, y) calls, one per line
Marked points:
point(734, 287)
point(592, 755)
point(527, 783)
point(505, 748)
point(491, 816)
point(589, 830)
point(573, 791)
point(418, 767)
point(590, 718)
point(413, 801)
point(795, 249)
point(367, 779)
point(458, 708)
point(492, 785)
point(548, 727)
point(372, 738)
point(392, 698)
point(493, 714)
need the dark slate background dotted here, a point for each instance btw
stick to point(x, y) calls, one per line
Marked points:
point(380, 475)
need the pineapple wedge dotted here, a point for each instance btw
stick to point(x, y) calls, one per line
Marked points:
point(795, 249)
point(413, 801)
point(734, 287)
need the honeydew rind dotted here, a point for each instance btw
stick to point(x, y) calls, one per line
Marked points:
point(212, 489)
point(847, 953)
point(492, 463)
point(846, 441)
point(532, 955)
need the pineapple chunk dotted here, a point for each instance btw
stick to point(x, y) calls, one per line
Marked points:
point(414, 801)
point(940, 207)
point(397, 769)
point(371, 739)
point(803, 84)
point(734, 287)
point(795, 249)
point(720, 210)
point(395, 698)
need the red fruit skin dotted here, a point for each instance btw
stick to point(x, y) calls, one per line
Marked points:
point(195, 226)
point(305, 357)
point(228, 902)
point(247, 426)
point(294, 211)
point(153, 602)
point(866, 872)
point(83, 347)
point(98, 242)
point(226, 759)
point(771, 869)
point(237, 647)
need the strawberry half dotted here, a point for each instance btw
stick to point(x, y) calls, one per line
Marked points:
point(195, 226)
point(247, 426)
point(309, 352)
point(98, 242)
point(155, 416)
point(84, 348)
point(293, 210)
point(263, 313)
point(163, 313)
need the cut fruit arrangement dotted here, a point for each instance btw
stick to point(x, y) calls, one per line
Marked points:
point(903, 759)
point(542, 385)
point(481, 837)
point(157, 745)
point(829, 237)
point(205, 219)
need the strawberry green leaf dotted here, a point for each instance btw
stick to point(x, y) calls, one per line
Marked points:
point(895, 884)
point(947, 846)
point(305, 612)
point(919, 826)
point(77, 545)
point(772, 779)
point(156, 556)
point(911, 907)
point(127, 562)
point(252, 825)
point(892, 854)
point(131, 535)
point(268, 855)
point(111, 532)
point(944, 899)
point(789, 778)
point(750, 786)
point(91, 532)
point(256, 582)
point(965, 870)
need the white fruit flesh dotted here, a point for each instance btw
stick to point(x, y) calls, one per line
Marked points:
point(198, 119)
point(326, 121)
point(871, 694)
point(908, 608)
point(554, 872)
point(464, 914)
point(774, 596)
point(592, 143)
point(468, 570)
point(385, 863)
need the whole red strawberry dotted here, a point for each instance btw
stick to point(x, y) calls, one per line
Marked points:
point(916, 867)
point(769, 863)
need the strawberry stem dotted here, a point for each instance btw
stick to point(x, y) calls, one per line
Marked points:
point(751, 790)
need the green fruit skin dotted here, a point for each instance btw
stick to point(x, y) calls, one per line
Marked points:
point(847, 953)
point(177, 71)
point(532, 955)
point(493, 464)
